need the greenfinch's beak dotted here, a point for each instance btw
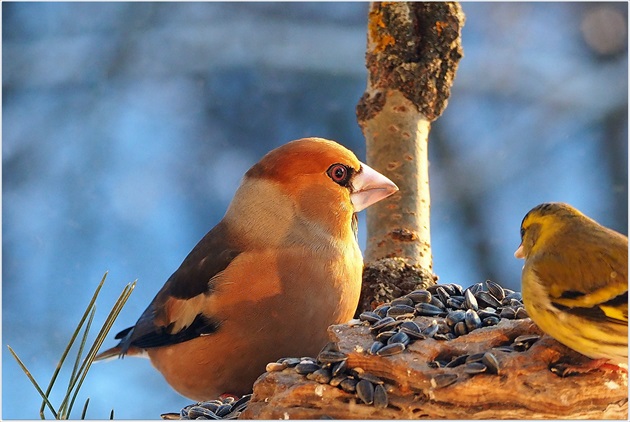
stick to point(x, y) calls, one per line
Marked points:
point(520, 253)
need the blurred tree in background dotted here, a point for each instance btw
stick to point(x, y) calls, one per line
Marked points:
point(127, 127)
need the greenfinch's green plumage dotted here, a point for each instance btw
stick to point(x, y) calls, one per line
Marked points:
point(575, 280)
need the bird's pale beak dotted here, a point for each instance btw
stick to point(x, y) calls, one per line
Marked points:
point(520, 253)
point(370, 186)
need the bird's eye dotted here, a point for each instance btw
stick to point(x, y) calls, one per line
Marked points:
point(522, 232)
point(339, 173)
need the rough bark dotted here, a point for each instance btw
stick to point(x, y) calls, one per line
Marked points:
point(412, 55)
point(524, 388)
point(389, 278)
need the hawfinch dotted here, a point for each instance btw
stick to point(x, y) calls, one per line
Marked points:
point(269, 279)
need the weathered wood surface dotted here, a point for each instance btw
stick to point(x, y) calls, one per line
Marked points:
point(525, 387)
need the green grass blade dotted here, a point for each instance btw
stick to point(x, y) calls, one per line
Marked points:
point(70, 344)
point(65, 413)
point(86, 331)
point(37, 387)
point(85, 406)
point(98, 342)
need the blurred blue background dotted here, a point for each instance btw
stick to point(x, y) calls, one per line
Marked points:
point(127, 127)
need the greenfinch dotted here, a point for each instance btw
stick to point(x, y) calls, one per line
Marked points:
point(575, 281)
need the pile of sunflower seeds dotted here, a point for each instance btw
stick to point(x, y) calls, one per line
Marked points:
point(227, 408)
point(462, 311)
point(479, 363)
point(330, 367)
point(459, 310)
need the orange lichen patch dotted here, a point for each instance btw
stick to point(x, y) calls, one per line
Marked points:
point(439, 26)
point(376, 25)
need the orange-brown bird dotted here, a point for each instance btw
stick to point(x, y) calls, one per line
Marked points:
point(266, 282)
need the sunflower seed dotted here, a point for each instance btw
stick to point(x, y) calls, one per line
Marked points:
point(371, 377)
point(409, 326)
point(431, 330)
point(241, 404)
point(375, 347)
point(475, 288)
point(496, 290)
point(513, 296)
point(476, 357)
point(454, 303)
point(487, 299)
point(420, 296)
point(336, 380)
point(396, 310)
point(384, 336)
point(472, 320)
point(437, 302)
point(399, 311)
point(391, 349)
point(507, 313)
point(442, 294)
point(382, 310)
point(413, 335)
point(349, 385)
point(365, 391)
point(322, 376)
point(470, 300)
point(459, 360)
point(223, 410)
point(491, 362)
point(370, 317)
point(452, 289)
point(475, 368)
point(487, 312)
point(356, 372)
point(402, 301)
point(331, 356)
point(522, 343)
point(399, 337)
point(304, 368)
point(443, 380)
point(428, 309)
point(490, 321)
point(506, 349)
point(526, 338)
point(460, 329)
point(457, 289)
point(454, 317)
point(275, 367)
point(447, 336)
point(290, 362)
point(433, 288)
point(211, 405)
point(384, 324)
point(339, 368)
point(521, 313)
point(201, 412)
point(380, 397)
point(515, 303)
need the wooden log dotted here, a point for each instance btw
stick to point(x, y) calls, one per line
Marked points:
point(524, 388)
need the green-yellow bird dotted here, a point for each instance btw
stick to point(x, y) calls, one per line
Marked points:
point(575, 281)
